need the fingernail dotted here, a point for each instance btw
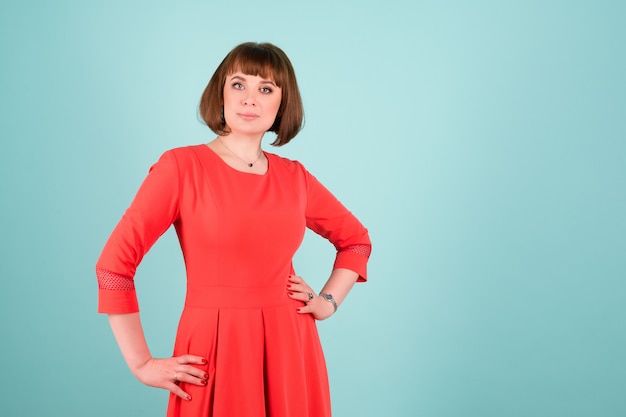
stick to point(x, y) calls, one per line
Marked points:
point(288, 285)
point(203, 360)
point(203, 382)
point(206, 376)
point(290, 293)
point(189, 398)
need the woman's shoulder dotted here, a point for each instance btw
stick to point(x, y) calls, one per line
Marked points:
point(285, 163)
point(184, 155)
point(178, 160)
point(184, 151)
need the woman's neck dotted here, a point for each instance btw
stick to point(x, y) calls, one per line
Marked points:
point(242, 146)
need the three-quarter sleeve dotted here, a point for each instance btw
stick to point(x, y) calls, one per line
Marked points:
point(152, 211)
point(329, 218)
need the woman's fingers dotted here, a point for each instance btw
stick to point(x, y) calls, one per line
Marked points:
point(191, 375)
point(299, 289)
point(185, 359)
point(178, 391)
point(303, 296)
point(187, 372)
point(295, 281)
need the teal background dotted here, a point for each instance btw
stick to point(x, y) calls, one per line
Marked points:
point(482, 143)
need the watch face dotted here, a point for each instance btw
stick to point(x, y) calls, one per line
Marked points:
point(330, 299)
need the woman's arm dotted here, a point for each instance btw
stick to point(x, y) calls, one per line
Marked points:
point(161, 373)
point(326, 216)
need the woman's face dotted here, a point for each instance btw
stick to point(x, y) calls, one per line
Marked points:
point(250, 103)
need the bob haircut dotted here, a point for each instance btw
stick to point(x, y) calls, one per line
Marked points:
point(262, 60)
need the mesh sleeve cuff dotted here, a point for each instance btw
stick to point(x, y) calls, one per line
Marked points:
point(116, 293)
point(108, 280)
point(355, 259)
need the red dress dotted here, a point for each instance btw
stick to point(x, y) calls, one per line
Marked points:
point(238, 233)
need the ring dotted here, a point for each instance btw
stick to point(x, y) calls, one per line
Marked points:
point(175, 376)
point(310, 296)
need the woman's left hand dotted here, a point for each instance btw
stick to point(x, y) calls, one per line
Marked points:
point(299, 290)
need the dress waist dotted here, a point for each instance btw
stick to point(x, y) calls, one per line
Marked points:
point(238, 297)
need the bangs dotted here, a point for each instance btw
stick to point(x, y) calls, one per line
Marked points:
point(257, 61)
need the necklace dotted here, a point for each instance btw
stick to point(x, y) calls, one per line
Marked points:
point(250, 164)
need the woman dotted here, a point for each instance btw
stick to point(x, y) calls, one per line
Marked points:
point(247, 343)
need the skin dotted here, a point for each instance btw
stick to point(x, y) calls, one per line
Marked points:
point(250, 107)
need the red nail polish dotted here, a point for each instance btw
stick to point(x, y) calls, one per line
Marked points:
point(206, 376)
point(203, 360)
point(288, 285)
point(189, 398)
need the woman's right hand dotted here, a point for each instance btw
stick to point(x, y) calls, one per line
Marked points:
point(166, 373)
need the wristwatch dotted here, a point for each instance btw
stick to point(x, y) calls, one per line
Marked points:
point(330, 299)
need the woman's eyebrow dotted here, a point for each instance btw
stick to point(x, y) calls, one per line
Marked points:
point(240, 78)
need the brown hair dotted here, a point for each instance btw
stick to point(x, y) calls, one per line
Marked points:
point(263, 60)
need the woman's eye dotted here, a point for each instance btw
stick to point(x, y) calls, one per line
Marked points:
point(266, 90)
point(238, 86)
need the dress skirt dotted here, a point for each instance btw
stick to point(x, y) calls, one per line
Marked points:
point(263, 358)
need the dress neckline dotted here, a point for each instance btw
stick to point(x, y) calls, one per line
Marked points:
point(205, 145)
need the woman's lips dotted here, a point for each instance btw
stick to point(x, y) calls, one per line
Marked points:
point(247, 116)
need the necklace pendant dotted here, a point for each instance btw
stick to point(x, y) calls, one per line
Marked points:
point(250, 164)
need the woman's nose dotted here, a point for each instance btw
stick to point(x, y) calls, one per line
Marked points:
point(248, 99)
